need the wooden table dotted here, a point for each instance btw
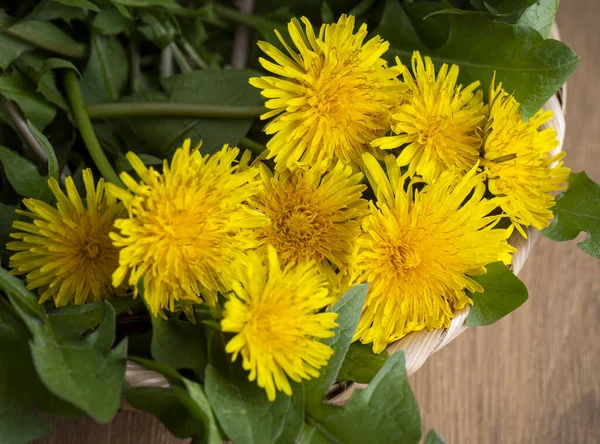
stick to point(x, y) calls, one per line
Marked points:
point(532, 377)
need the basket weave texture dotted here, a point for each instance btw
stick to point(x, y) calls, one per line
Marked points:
point(417, 346)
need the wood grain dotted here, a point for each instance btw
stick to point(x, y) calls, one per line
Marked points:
point(532, 377)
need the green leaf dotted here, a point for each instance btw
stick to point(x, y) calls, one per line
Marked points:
point(73, 321)
point(167, 407)
point(161, 136)
point(48, 36)
point(53, 170)
point(179, 344)
point(122, 164)
point(34, 107)
point(577, 210)
point(434, 438)
point(24, 176)
point(503, 292)
point(530, 66)
point(12, 48)
point(111, 22)
point(245, 413)
point(7, 217)
point(200, 408)
point(326, 13)
point(85, 4)
point(107, 71)
point(86, 373)
point(18, 383)
point(540, 16)
point(50, 10)
point(349, 309)
point(385, 411)
point(39, 70)
point(361, 364)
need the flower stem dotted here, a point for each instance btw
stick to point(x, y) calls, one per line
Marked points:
point(168, 109)
point(85, 128)
point(249, 144)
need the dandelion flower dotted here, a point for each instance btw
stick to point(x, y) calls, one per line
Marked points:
point(332, 98)
point(275, 315)
point(519, 161)
point(66, 253)
point(437, 123)
point(418, 250)
point(313, 216)
point(186, 226)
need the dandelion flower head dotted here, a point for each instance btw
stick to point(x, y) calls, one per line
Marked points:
point(418, 250)
point(333, 95)
point(438, 122)
point(313, 217)
point(520, 163)
point(65, 252)
point(275, 313)
point(186, 226)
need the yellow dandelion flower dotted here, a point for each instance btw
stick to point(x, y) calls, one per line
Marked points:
point(418, 249)
point(438, 121)
point(332, 98)
point(186, 226)
point(275, 315)
point(66, 253)
point(519, 161)
point(313, 216)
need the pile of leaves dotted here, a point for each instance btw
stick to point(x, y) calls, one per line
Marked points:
point(154, 72)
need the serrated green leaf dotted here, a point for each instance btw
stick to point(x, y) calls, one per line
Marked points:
point(385, 411)
point(84, 373)
point(12, 48)
point(577, 210)
point(39, 70)
point(34, 107)
point(179, 344)
point(503, 292)
point(540, 16)
point(530, 66)
point(106, 73)
point(244, 412)
point(349, 309)
point(361, 364)
point(434, 438)
point(167, 407)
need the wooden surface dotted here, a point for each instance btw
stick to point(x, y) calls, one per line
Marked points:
point(532, 377)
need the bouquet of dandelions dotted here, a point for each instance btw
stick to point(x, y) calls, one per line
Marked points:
point(259, 282)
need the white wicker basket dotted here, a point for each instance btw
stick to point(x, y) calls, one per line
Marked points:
point(417, 346)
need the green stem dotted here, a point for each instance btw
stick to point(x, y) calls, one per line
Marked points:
point(180, 59)
point(167, 109)
point(85, 128)
point(249, 144)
